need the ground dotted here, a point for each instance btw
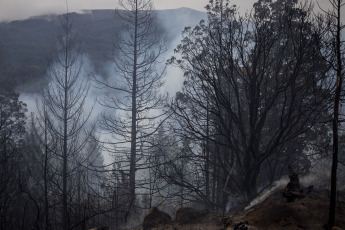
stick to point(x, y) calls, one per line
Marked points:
point(308, 213)
point(274, 213)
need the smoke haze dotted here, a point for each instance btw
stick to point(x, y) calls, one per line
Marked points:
point(22, 9)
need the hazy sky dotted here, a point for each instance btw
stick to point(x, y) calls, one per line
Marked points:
point(21, 9)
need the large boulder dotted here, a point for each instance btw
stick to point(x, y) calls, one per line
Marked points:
point(155, 218)
point(193, 216)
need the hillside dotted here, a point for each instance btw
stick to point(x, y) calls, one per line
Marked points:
point(274, 213)
point(308, 213)
point(29, 42)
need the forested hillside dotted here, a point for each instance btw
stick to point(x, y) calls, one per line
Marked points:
point(29, 42)
point(250, 137)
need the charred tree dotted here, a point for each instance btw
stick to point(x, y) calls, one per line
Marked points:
point(134, 91)
point(332, 46)
point(263, 76)
point(12, 131)
point(63, 101)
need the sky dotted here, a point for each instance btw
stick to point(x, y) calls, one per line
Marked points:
point(22, 9)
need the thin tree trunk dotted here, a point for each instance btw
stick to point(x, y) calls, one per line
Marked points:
point(64, 176)
point(331, 218)
point(134, 117)
point(46, 201)
point(214, 175)
point(207, 156)
point(64, 155)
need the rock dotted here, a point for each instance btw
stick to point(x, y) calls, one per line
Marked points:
point(155, 217)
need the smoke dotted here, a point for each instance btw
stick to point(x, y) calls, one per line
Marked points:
point(174, 75)
point(319, 178)
point(268, 192)
point(23, 9)
point(91, 107)
point(87, 69)
point(305, 181)
point(173, 23)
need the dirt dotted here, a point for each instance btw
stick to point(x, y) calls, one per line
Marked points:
point(155, 217)
point(306, 213)
point(310, 213)
point(192, 219)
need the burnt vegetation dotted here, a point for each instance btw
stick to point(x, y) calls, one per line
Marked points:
point(261, 101)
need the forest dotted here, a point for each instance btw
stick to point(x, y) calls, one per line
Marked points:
point(261, 97)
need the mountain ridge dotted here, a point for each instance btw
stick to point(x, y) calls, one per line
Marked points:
point(29, 42)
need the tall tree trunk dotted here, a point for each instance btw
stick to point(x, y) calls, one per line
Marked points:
point(250, 182)
point(331, 218)
point(65, 121)
point(134, 117)
point(46, 200)
point(64, 170)
point(207, 159)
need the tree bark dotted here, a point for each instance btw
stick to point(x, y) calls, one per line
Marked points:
point(332, 206)
point(64, 154)
point(134, 116)
point(46, 199)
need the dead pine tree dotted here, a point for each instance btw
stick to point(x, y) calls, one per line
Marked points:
point(337, 4)
point(332, 47)
point(134, 90)
point(64, 98)
point(252, 87)
point(46, 145)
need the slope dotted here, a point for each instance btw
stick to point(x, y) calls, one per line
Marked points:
point(29, 42)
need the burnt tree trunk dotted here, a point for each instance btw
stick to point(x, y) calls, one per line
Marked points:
point(331, 218)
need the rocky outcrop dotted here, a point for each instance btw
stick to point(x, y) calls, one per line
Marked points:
point(155, 218)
